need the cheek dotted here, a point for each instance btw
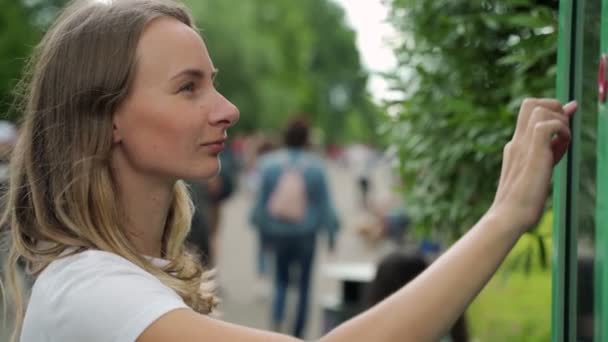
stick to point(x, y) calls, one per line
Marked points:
point(160, 134)
point(158, 130)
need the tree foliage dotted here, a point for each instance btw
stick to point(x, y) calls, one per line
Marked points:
point(21, 25)
point(464, 68)
point(278, 57)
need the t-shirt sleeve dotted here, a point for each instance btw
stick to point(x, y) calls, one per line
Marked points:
point(110, 301)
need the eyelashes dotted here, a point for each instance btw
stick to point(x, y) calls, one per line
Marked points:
point(188, 88)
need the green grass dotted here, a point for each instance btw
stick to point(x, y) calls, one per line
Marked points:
point(515, 309)
point(516, 305)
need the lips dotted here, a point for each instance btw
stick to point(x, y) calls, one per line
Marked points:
point(216, 146)
point(215, 142)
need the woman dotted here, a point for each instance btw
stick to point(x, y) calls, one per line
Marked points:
point(120, 106)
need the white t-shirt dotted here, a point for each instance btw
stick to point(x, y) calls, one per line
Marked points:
point(95, 296)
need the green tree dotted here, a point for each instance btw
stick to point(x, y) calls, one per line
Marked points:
point(278, 57)
point(464, 68)
point(21, 25)
point(16, 37)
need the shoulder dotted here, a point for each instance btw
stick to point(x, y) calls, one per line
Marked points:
point(277, 159)
point(273, 159)
point(314, 160)
point(312, 163)
point(91, 269)
point(80, 296)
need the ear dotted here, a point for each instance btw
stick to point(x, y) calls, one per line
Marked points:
point(116, 133)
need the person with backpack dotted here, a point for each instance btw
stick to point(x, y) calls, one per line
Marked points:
point(292, 206)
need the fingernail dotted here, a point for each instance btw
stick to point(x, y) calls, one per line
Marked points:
point(570, 107)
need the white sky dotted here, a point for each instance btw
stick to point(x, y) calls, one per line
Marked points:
point(367, 18)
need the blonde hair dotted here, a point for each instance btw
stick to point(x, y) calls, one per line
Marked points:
point(61, 197)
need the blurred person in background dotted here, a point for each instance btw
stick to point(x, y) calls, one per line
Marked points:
point(98, 210)
point(199, 235)
point(207, 199)
point(237, 147)
point(293, 205)
point(396, 270)
point(264, 255)
point(389, 220)
point(388, 215)
point(8, 137)
point(258, 146)
point(361, 161)
point(217, 190)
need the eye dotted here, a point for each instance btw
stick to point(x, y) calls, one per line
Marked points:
point(188, 87)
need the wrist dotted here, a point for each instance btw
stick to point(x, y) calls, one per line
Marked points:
point(507, 220)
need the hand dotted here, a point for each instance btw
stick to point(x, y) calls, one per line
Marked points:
point(541, 139)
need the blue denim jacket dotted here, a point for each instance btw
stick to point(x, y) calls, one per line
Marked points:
point(320, 212)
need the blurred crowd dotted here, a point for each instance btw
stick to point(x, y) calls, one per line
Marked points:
point(286, 178)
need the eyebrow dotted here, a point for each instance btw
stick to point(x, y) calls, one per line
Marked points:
point(196, 73)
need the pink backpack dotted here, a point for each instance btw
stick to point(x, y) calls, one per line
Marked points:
point(288, 200)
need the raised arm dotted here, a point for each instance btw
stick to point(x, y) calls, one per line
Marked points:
point(426, 308)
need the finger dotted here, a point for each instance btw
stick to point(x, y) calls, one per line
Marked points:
point(559, 146)
point(542, 114)
point(545, 114)
point(551, 104)
point(506, 164)
point(527, 108)
point(545, 132)
point(570, 108)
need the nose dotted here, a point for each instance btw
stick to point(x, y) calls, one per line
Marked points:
point(226, 114)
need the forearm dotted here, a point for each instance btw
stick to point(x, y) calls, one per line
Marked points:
point(427, 307)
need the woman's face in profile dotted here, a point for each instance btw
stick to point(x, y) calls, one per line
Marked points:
point(173, 122)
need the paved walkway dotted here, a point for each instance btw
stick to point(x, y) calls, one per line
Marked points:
point(245, 298)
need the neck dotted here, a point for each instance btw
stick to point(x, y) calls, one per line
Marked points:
point(145, 202)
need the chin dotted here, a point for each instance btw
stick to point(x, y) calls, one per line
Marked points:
point(203, 174)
